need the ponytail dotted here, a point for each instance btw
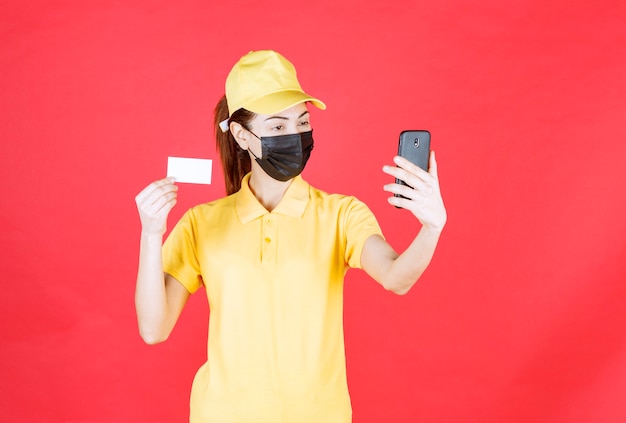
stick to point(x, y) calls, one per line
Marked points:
point(235, 161)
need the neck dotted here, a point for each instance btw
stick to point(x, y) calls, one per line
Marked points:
point(267, 190)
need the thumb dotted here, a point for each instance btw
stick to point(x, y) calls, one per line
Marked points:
point(432, 164)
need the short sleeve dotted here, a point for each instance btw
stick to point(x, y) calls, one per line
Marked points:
point(180, 253)
point(359, 224)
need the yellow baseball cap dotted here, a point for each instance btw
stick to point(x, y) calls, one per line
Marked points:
point(265, 82)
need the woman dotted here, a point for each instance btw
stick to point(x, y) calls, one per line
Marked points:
point(272, 256)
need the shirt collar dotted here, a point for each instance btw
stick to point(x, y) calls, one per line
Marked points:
point(293, 202)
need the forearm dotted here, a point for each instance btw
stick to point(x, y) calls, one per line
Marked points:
point(407, 268)
point(150, 293)
point(421, 196)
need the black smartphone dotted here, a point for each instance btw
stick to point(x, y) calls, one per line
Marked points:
point(414, 145)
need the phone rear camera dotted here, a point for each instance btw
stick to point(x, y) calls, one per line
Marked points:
point(416, 142)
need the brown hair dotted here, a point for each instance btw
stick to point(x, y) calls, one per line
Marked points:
point(235, 161)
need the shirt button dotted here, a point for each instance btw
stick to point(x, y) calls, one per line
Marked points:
point(268, 240)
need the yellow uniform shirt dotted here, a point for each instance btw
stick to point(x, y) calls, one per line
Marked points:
point(274, 283)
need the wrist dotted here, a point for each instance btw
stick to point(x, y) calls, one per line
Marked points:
point(434, 229)
point(151, 235)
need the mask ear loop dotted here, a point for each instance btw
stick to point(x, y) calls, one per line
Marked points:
point(250, 151)
point(249, 148)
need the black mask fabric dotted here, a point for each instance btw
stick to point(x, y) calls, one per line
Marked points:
point(284, 156)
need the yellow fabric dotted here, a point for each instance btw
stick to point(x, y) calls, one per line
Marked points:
point(274, 283)
point(265, 82)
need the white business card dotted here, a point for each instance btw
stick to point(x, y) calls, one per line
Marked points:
point(190, 170)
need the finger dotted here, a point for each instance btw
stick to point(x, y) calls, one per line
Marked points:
point(402, 190)
point(156, 197)
point(411, 167)
point(403, 173)
point(432, 165)
point(162, 201)
point(165, 209)
point(405, 203)
point(152, 187)
point(147, 191)
point(153, 206)
point(162, 191)
point(410, 179)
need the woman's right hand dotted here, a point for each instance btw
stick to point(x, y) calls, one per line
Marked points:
point(154, 204)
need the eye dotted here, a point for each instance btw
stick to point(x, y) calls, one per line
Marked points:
point(277, 128)
point(305, 123)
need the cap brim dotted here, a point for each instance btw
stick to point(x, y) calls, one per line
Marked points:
point(281, 100)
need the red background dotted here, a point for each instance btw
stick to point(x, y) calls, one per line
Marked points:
point(521, 316)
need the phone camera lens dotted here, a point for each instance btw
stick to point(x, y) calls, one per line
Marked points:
point(416, 142)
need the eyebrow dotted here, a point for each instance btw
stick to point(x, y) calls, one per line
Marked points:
point(286, 118)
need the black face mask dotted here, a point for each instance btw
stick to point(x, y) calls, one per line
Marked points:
point(283, 157)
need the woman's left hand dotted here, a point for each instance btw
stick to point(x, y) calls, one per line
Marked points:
point(423, 197)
